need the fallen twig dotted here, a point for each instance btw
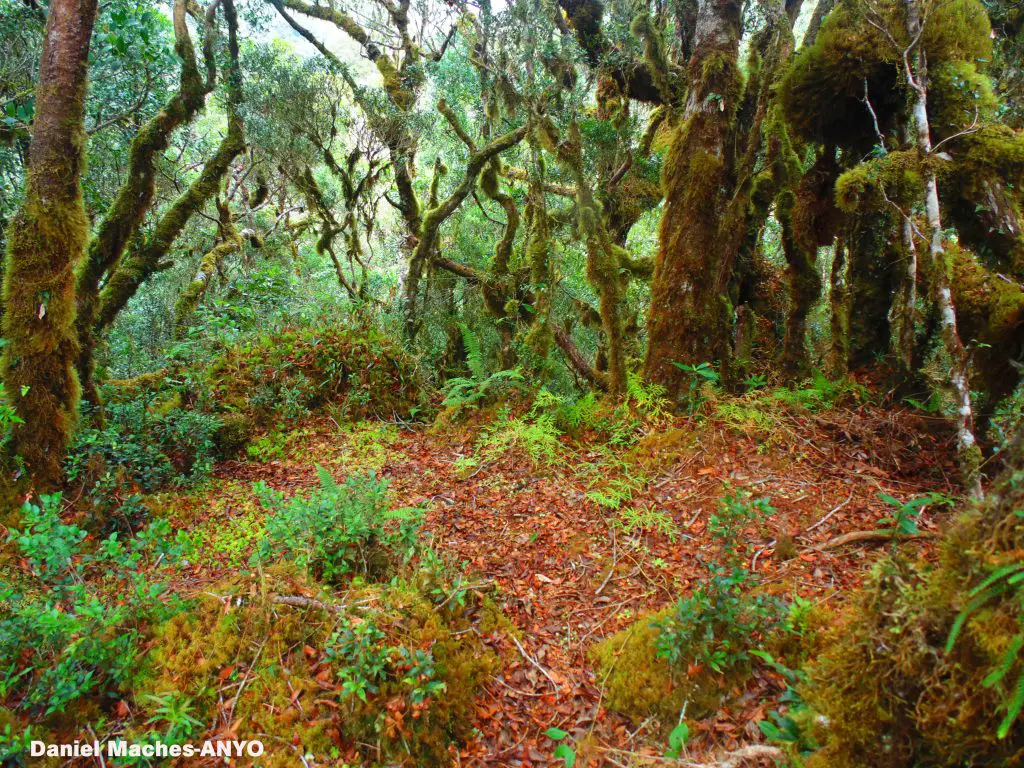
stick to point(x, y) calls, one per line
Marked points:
point(537, 665)
point(832, 512)
point(611, 570)
point(862, 537)
point(297, 601)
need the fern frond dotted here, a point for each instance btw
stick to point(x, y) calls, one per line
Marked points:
point(474, 352)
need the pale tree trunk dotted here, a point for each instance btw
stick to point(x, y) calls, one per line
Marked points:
point(47, 241)
point(916, 75)
point(906, 303)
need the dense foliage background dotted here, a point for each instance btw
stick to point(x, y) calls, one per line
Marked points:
point(572, 239)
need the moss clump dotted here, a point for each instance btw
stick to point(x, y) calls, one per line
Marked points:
point(823, 91)
point(892, 693)
point(957, 92)
point(990, 311)
point(661, 449)
point(640, 683)
point(295, 667)
point(637, 682)
point(897, 176)
point(233, 433)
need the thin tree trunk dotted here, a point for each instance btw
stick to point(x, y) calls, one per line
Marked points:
point(906, 303)
point(47, 241)
point(122, 219)
point(917, 78)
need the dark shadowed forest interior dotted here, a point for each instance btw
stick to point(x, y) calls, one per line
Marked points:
point(511, 383)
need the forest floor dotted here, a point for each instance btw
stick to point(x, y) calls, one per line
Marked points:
point(567, 571)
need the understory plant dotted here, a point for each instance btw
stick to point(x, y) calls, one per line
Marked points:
point(73, 623)
point(339, 528)
point(726, 616)
point(462, 392)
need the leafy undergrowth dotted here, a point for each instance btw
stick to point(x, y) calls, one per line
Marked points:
point(536, 581)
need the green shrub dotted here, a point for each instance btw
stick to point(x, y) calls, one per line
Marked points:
point(720, 622)
point(72, 628)
point(725, 617)
point(339, 529)
point(144, 445)
point(365, 662)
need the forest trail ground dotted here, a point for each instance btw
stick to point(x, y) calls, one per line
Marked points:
point(566, 575)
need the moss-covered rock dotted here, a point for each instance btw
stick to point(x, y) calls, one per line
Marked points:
point(637, 682)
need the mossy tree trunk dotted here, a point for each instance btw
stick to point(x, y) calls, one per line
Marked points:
point(46, 242)
point(604, 269)
point(839, 295)
point(872, 260)
point(688, 321)
point(138, 266)
point(230, 241)
point(809, 221)
point(133, 199)
point(990, 310)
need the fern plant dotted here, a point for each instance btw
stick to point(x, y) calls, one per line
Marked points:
point(462, 392)
point(615, 492)
point(538, 439)
point(1006, 580)
point(569, 414)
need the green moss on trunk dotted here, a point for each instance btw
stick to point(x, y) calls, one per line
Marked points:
point(46, 241)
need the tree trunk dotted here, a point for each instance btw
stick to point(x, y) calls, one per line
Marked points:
point(133, 271)
point(188, 301)
point(688, 320)
point(133, 199)
point(47, 240)
point(808, 223)
point(917, 78)
point(840, 319)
